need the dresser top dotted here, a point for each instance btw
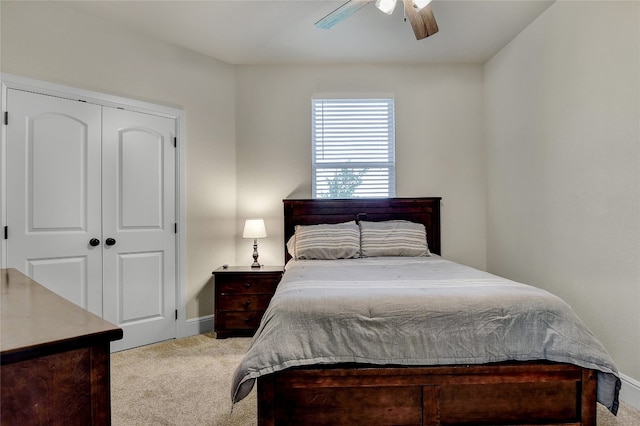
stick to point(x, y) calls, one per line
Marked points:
point(37, 321)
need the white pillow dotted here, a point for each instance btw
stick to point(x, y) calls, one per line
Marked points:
point(291, 246)
point(393, 238)
point(326, 241)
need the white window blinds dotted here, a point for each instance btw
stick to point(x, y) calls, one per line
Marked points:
point(353, 148)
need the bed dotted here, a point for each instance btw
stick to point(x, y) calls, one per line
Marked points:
point(349, 341)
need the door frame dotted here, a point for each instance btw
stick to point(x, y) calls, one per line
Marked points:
point(10, 81)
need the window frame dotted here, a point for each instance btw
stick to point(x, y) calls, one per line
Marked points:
point(380, 174)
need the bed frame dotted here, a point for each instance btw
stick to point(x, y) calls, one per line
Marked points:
point(502, 393)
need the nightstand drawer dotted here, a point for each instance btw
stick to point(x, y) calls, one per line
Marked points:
point(239, 302)
point(238, 320)
point(247, 283)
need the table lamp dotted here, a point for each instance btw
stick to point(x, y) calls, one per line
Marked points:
point(254, 228)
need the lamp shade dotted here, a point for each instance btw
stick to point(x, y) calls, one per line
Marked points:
point(254, 228)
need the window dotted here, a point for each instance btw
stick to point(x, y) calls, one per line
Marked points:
point(353, 148)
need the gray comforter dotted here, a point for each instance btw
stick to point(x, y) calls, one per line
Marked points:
point(415, 311)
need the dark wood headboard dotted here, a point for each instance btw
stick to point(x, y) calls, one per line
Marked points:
point(424, 210)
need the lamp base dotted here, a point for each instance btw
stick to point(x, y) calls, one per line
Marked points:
point(255, 263)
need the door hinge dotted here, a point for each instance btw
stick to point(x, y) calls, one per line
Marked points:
point(175, 142)
point(176, 315)
point(6, 118)
point(175, 228)
point(6, 232)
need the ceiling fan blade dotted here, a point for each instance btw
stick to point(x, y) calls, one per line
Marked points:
point(341, 13)
point(423, 22)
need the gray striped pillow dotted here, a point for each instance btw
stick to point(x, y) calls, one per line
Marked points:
point(393, 238)
point(327, 241)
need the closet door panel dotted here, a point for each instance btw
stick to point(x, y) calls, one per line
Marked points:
point(141, 177)
point(65, 276)
point(139, 215)
point(53, 194)
point(56, 146)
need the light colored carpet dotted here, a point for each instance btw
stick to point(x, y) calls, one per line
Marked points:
point(179, 382)
point(188, 382)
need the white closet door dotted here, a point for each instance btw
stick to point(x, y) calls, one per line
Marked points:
point(139, 215)
point(53, 195)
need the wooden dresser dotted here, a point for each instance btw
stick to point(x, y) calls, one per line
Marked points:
point(54, 357)
point(242, 294)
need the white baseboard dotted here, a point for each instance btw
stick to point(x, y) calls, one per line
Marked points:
point(630, 391)
point(198, 325)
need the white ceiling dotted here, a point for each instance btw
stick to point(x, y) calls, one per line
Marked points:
point(283, 31)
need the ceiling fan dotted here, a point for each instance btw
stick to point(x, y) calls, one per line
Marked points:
point(418, 12)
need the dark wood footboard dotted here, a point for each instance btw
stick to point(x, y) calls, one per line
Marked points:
point(504, 394)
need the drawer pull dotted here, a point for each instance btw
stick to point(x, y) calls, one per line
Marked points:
point(247, 304)
point(247, 285)
point(248, 319)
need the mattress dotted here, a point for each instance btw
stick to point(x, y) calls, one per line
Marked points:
point(415, 311)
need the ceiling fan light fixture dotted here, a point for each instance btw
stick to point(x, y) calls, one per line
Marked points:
point(419, 4)
point(386, 6)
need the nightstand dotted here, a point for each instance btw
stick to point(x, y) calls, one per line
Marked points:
point(242, 294)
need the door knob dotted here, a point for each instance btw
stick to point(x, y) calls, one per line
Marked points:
point(109, 241)
point(94, 242)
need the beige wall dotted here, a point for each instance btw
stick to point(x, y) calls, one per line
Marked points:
point(563, 165)
point(439, 149)
point(49, 42)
